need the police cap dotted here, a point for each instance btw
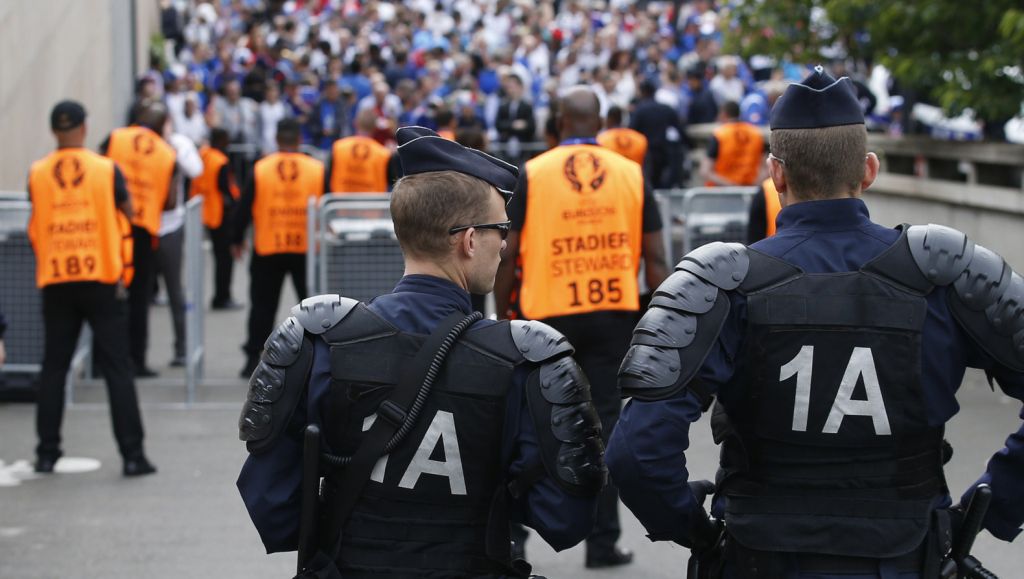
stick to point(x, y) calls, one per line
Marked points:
point(818, 101)
point(67, 115)
point(421, 150)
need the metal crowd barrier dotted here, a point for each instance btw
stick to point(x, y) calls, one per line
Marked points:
point(195, 312)
point(352, 250)
point(699, 215)
point(20, 300)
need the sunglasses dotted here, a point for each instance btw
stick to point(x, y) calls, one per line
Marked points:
point(503, 228)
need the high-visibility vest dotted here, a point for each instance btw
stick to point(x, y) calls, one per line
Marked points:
point(446, 134)
point(76, 230)
point(581, 241)
point(626, 142)
point(772, 206)
point(359, 165)
point(284, 182)
point(740, 153)
point(147, 162)
point(208, 185)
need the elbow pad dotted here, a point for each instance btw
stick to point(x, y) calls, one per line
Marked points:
point(558, 395)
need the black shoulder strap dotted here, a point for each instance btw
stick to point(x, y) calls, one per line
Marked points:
point(390, 417)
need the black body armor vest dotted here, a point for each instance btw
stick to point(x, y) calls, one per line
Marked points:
point(426, 510)
point(827, 449)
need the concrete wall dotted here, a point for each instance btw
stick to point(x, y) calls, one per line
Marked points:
point(58, 49)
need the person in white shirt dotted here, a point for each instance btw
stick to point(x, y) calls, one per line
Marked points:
point(272, 110)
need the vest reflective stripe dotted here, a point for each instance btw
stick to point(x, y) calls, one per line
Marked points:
point(147, 162)
point(581, 240)
point(359, 165)
point(740, 152)
point(772, 206)
point(626, 142)
point(284, 182)
point(208, 186)
point(76, 230)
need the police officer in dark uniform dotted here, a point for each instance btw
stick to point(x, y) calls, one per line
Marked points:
point(502, 428)
point(834, 350)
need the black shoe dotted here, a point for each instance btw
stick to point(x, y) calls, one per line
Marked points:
point(138, 467)
point(45, 464)
point(227, 305)
point(177, 362)
point(145, 372)
point(615, 557)
point(249, 368)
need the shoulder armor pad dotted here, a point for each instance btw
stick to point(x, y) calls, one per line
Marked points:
point(537, 341)
point(276, 386)
point(321, 313)
point(942, 253)
point(723, 265)
point(988, 302)
point(685, 292)
point(568, 427)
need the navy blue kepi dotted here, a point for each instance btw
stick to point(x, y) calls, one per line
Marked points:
point(818, 101)
point(423, 151)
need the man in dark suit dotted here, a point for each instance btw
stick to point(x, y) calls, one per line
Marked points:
point(664, 131)
point(515, 121)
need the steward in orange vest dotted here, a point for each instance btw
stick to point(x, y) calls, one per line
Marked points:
point(764, 208)
point(735, 154)
point(623, 140)
point(148, 163)
point(220, 195)
point(359, 164)
point(82, 240)
point(582, 221)
point(276, 201)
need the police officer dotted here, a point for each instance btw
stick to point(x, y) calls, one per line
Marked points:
point(834, 350)
point(735, 153)
point(505, 428)
point(359, 164)
point(582, 220)
point(219, 189)
point(82, 241)
point(148, 163)
point(276, 201)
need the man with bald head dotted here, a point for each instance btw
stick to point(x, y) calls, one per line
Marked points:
point(578, 243)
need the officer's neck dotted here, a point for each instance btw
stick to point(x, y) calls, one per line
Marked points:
point(446, 270)
point(287, 148)
point(70, 143)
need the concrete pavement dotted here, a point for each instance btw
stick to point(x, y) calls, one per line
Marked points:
point(187, 520)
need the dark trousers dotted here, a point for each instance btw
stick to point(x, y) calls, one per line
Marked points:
point(601, 340)
point(223, 264)
point(140, 292)
point(168, 260)
point(65, 307)
point(266, 278)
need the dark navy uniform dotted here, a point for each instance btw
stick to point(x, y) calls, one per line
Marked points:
point(834, 350)
point(506, 433)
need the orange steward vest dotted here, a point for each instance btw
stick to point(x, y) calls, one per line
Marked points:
point(284, 182)
point(626, 142)
point(359, 165)
point(76, 230)
point(147, 162)
point(581, 241)
point(208, 185)
point(740, 153)
point(772, 206)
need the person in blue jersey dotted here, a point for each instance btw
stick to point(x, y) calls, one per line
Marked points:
point(833, 352)
point(502, 429)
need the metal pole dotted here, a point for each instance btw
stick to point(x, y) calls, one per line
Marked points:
point(194, 296)
point(312, 243)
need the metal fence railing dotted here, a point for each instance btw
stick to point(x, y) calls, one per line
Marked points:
point(353, 250)
point(20, 299)
point(699, 215)
point(195, 312)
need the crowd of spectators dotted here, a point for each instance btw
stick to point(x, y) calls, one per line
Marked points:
point(495, 65)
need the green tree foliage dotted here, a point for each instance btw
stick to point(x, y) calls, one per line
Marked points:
point(963, 54)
